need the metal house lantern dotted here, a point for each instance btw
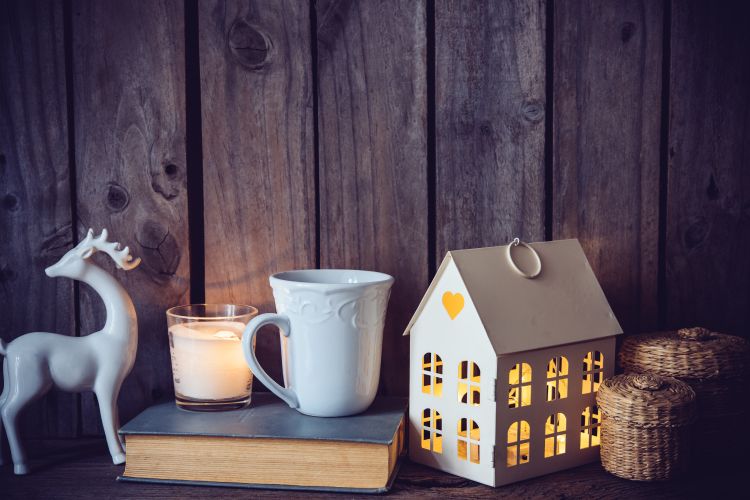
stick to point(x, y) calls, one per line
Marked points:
point(508, 348)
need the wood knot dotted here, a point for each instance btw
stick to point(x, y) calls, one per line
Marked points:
point(11, 203)
point(57, 244)
point(170, 169)
point(627, 31)
point(647, 382)
point(159, 250)
point(167, 180)
point(532, 111)
point(7, 274)
point(696, 233)
point(695, 333)
point(248, 45)
point(117, 197)
point(712, 191)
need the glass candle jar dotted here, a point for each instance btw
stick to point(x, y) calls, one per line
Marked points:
point(208, 367)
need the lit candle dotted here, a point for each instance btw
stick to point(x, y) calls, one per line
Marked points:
point(207, 360)
point(208, 365)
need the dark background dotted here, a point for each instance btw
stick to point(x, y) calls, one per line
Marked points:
point(227, 140)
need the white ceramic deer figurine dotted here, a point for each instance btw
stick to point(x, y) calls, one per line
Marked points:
point(100, 361)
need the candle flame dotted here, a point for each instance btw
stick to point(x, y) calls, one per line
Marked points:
point(223, 334)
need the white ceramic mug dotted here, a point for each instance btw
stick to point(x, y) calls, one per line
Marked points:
point(331, 325)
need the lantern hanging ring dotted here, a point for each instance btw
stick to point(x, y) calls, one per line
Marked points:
point(516, 242)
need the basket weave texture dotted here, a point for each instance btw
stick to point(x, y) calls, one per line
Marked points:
point(715, 365)
point(693, 353)
point(646, 420)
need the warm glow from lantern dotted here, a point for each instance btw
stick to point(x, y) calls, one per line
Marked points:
point(554, 429)
point(518, 443)
point(432, 374)
point(432, 430)
point(549, 446)
point(437, 445)
point(474, 453)
point(557, 378)
point(593, 371)
point(590, 427)
point(469, 383)
point(468, 440)
point(519, 381)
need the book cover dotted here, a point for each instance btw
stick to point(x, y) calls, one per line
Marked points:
point(271, 422)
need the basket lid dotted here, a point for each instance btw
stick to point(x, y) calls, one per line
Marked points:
point(646, 400)
point(692, 353)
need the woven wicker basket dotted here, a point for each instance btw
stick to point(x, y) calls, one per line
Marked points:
point(716, 366)
point(646, 421)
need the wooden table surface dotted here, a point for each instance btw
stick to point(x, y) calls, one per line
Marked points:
point(81, 469)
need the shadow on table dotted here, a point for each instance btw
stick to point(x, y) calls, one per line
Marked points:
point(47, 454)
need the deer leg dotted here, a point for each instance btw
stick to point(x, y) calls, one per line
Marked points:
point(107, 398)
point(28, 382)
point(12, 408)
point(3, 397)
point(10, 419)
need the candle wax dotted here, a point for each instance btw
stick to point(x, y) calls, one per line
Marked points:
point(207, 360)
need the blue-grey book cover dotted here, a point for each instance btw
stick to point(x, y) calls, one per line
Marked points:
point(270, 418)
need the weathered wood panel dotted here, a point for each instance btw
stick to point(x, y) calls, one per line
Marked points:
point(259, 171)
point(372, 114)
point(606, 140)
point(128, 65)
point(35, 205)
point(708, 210)
point(490, 100)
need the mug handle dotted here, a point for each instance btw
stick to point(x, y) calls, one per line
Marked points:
point(282, 322)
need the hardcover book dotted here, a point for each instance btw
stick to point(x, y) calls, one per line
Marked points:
point(267, 445)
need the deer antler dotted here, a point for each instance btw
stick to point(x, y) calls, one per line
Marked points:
point(86, 242)
point(121, 258)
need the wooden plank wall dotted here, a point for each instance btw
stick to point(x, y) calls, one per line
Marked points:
point(377, 135)
point(372, 120)
point(129, 115)
point(259, 164)
point(490, 98)
point(35, 190)
point(607, 66)
point(708, 197)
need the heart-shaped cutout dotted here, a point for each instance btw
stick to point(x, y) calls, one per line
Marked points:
point(453, 303)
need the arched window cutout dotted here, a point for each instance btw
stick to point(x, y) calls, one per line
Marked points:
point(432, 430)
point(469, 379)
point(591, 421)
point(432, 374)
point(519, 385)
point(519, 434)
point(557, 378)
point(468, 440)
point(593, 371)
point(554, 431)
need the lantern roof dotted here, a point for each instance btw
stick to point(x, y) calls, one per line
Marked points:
point(564, 304)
